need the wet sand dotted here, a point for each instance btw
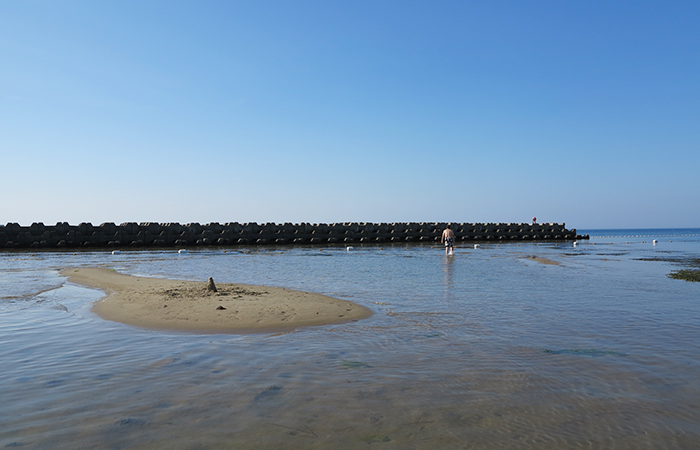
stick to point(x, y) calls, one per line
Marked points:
point(164, 304)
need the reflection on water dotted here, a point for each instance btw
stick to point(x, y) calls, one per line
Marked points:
point(449, 273)
point(489, 348)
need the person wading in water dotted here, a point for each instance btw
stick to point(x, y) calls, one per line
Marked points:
point(448, 237)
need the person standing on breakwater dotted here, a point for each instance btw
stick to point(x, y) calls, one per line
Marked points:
point(448, 237)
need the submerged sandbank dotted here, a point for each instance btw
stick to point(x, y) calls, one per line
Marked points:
point(164, 304)
point(542, 260)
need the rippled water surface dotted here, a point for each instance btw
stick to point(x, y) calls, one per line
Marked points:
point(500, 346)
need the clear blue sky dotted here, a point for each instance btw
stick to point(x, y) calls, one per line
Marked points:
point(329, 111)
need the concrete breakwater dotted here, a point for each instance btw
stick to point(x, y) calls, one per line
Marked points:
point(63, 235)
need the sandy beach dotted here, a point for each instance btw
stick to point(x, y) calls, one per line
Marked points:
point(164, 304)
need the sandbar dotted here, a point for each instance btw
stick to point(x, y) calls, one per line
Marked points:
point(164, 304)
point(542, 260)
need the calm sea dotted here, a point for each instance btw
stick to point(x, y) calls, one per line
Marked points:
point(494, 347)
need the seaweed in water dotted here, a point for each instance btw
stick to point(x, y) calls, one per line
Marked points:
point(268, 393)
point(131, 422)
point(585, 352)
point(374, 437)
point(691, 262)
point(355, 365)
point(687, 275)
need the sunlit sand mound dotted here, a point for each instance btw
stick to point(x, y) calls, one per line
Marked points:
point(193, 306)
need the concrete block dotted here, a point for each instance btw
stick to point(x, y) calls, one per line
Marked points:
point(12, 229)
point(106, 227)
point(151, 227)
point(36, 229)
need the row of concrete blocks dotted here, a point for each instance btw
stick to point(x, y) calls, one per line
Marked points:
point(63, 235)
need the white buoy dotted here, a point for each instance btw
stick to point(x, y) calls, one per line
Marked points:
point(476, 245)
point(182, 250)
point(116, 252)
point(654, 242)
point(349, 248)
point(575, 243)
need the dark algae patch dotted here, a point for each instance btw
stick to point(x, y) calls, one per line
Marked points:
point(592, 352)
point(687, 275)
point(130, 422)
point(355, 365)
point(684, 274)
point(691, 262)
point(268, 393)
point(374, 437)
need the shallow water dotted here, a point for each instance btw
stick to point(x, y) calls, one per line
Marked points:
point(490, 348)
